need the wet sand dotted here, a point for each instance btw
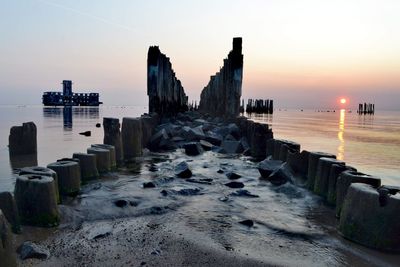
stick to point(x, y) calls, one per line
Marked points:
point(184, 223)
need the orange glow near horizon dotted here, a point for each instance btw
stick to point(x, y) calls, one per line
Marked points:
point(343, 101)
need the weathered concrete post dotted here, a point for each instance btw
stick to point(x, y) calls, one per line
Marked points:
point(69, 176)
point(36, 200)
point(258, 144)
point(103, 158)
point(9, 208)
point(298, 162)
point(312, 166)
point(112, 136)
point(22, 143)
point(7, 255)
point(370, 221)
point(113, 160)
point(132, 138)
point(336, 170)
point(344, 181)
point(321, 183)
point(88, 165)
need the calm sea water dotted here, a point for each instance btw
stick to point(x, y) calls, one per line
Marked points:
point(369, 143)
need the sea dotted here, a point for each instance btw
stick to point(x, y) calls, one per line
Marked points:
point(370, 143)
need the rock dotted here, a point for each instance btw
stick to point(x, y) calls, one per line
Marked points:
point(243, 142)
point(149, 185)
point(232, 175)
point(234, 131)
point(193, 134)
point(112, 136)
point(270, 145)
point(120, 203)
point(193, 149)
point(7, 256)
point(235, 184)
point(158, 138)
point(182, 170)
point(321, 182)
point(267, 167)
point(214, 138)
point(30, 250)
point(344, 181)
point(248, 223)
point(231, 147)
point(23, 140)
point(103, 158)
point(206, 145)
point(181, 191)
point(365, 221)
point(220, 171)
point(243, 193)
point(200, 181)
point(281, 175)
point(36, 200)
point(88, 165)
point(153, 168)
point(312, 166)
point(98, 125)
point(131, 138)
point(10, 211)
point(43, 171)
point(69, 176)
point(86, 133)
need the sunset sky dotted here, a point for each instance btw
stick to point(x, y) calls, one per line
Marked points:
point(304, 54)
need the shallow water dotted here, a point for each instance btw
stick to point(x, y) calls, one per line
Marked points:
point(369, 143)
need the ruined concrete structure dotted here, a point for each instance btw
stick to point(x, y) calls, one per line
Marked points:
point(165, 91)
point(221, 97)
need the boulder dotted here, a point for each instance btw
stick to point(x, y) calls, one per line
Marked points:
point(214, 138)
point(235, 184)
point(182, 170)
point(149, 185)
point(36, 200)
point(234, 131)
point(232, 147)
point(248, 223)
point(281, 175)
point(365, 221)
point(207, 146)
point(30, 250)
point(86, 133)
point(267, 167)
point(103, 158)
point(232, 176)
point(131, 138)
point(344, 181)
point(7, 256)
point(69, 176)
point(193, 149)
point(23, 139)
point(10, 211)
point(161, 137)
point(321, 183)
point(88, 165)
point(313, 164)
point(112, 136)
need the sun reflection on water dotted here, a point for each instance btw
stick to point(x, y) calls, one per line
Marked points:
point(340, 154)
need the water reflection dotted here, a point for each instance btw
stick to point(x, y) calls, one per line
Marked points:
point(70, 113)
point(340, 154)
point(259, 117)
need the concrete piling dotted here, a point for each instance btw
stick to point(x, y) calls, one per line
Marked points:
point(7, 255)
point(103, 158)
point(132, 138)
point(112, 136)
point(344, 181)
point(336, 170)
point(69, 176)
point(312, 166)
point(113, 161)
point(36, 200)
point(10, 211)
point(88, 165)
point(321, 183)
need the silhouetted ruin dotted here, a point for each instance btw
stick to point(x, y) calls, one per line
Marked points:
point(259, 106)
point(165, 91)
point(366, 109)
point(221, 97)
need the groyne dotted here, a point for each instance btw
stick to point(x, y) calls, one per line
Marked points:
point(357, 198)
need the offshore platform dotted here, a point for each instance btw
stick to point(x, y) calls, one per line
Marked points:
point(68, 98)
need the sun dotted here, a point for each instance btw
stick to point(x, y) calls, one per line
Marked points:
point(343, 100)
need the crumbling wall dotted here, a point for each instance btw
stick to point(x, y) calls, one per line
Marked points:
point(165, 91)
point(221, 97)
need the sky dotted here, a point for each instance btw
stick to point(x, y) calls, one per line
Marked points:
point(301, 53)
